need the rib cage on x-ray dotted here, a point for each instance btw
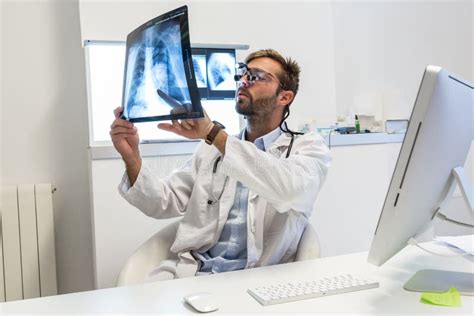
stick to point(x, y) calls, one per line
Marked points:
point(156, 61)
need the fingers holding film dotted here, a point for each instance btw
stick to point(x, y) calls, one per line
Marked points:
point(121, 123)
point(186, 125)
point(190, 122)
point(174, 127)
point(123, 130)
point(118, 111)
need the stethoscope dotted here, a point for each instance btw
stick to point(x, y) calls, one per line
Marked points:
point(212, 199)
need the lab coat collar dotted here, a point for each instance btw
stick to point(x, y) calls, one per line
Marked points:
point(281, 143)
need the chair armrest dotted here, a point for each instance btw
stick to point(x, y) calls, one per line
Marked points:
point(148, 256)
point(309, 247)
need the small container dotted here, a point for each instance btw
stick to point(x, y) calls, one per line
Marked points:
point(357, 124)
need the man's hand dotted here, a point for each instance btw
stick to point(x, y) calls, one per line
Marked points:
point(125, 139)
point(192, 129)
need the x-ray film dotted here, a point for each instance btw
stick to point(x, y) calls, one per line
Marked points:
point(200, 67)
point(221, 70)
point(214, 69)
point(159, 81)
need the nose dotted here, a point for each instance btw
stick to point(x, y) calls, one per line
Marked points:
point(243, 83)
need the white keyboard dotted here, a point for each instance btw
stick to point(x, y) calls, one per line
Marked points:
point(282, 293)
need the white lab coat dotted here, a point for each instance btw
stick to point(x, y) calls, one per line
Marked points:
point(282, 193)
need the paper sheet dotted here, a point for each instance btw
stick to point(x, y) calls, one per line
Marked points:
point(463, 243)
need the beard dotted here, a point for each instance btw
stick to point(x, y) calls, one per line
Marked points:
point(260, 107)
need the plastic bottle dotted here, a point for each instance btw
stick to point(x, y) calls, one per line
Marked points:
point(357, 124)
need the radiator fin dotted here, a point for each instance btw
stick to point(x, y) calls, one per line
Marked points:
point(27, 246)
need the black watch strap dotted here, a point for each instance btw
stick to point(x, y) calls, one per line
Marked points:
point(213, 133)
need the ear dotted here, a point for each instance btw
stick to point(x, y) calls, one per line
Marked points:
point(285, 97)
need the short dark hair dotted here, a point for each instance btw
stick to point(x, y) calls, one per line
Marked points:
point(290, 77)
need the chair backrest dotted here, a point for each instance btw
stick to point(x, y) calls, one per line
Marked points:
point(148, 256)
point(156, 249)
point(309, 247)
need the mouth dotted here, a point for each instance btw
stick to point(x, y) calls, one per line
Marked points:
point(240, 94)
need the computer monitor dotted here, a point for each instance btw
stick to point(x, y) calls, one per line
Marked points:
point(429, 165)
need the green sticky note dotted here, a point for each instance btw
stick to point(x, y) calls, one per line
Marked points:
point(450, 298)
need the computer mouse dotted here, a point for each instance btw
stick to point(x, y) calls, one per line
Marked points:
point(203, 302)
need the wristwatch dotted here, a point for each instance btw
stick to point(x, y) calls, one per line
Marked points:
point(214, 131)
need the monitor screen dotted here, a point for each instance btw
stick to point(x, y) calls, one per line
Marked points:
point(159, 81)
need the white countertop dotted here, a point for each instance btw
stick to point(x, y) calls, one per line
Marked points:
point(363, 139)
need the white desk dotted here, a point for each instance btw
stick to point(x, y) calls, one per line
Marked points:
point(230, 288)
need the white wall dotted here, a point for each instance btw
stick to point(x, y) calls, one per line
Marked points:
point(44, 129)
point(382, 49)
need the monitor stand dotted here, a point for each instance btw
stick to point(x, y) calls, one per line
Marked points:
point(440, 280)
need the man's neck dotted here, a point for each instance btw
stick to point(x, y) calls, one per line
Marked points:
point(254, 130)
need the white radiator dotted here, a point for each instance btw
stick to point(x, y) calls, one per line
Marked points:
point(27, 248)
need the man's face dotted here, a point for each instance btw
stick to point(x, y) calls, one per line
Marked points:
point(260, 97)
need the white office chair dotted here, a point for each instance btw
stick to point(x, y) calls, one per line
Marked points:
point(157, 249)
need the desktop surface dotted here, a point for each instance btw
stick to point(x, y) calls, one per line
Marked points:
point(230, 290)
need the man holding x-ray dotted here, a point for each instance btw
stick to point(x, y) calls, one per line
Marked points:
point(245, 199)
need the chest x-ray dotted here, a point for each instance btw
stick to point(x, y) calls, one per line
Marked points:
point(199, 62)
point(214, 69)
point(221, 71)
point(159, 81)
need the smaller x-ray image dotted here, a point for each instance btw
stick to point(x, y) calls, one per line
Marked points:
point(199, 62)
point(221, 71)
point(159, 81)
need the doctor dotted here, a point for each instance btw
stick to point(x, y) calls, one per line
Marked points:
point(245, 200)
